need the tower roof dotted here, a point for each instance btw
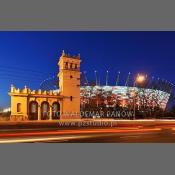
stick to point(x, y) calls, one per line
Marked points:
point(70, 56)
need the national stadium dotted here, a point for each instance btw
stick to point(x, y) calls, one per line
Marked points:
point(145, 93)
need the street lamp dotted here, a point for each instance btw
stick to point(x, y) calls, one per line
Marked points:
point(140, 79)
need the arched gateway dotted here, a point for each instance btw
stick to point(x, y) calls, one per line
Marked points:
point(45, 111)
point(33, 110)
point(55, 111)
point(51, 105)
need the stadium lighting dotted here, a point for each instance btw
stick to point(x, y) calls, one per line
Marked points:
point(96, 77)
point(107, 77)
point(140, 78)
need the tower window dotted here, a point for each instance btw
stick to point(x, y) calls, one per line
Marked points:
point(19, 107)
point(66, 65)
point(71, 76)
point(70, 65)
point(75, 66)
point(70, 98)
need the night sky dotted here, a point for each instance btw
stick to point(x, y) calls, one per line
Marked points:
point(27, 58)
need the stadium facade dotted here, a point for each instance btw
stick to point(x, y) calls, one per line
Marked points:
point(123, 96)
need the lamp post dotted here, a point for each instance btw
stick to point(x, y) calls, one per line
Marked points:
point(96, 77)
point(107, 72)
point(118, 77)
point(140, 79)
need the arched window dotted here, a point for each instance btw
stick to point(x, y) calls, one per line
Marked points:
point(71, 98)
point(45, 107)
point(55, 110)
point(33, 107)
point(19, 107)
point(70, 65)
point(33, 110)
point(44, 110)
point(66, 65)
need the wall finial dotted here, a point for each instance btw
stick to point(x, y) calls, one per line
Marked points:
point(63, 53)
point(12, 88)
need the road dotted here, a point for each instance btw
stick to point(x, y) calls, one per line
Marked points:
point(158, 133)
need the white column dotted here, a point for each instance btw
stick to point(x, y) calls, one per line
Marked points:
point(50, 113)
point(39, 112)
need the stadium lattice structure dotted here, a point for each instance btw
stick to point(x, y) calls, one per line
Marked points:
point(153, 93)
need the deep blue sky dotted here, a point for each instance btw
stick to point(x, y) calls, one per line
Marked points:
point(26, 58)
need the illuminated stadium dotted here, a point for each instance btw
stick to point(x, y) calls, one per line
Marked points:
point(112, 96)
point(146, 93)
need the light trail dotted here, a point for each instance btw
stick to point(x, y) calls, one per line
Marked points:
point(44, 133)
point(44, 139)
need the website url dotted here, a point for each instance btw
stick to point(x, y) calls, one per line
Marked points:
point(86, 124)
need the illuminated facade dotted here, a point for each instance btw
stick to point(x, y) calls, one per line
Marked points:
point(29, 104)
point(123, 96)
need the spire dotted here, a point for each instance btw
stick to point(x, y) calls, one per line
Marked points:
point(78, 56)
point(69, 55)
point(63, 53)
point(12, 88)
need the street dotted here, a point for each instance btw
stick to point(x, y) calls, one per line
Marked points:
point(131, 132)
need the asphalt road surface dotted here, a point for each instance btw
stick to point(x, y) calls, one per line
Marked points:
point(164, 133)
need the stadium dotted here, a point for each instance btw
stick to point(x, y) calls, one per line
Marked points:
point(145, 95)
point(122, 96)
